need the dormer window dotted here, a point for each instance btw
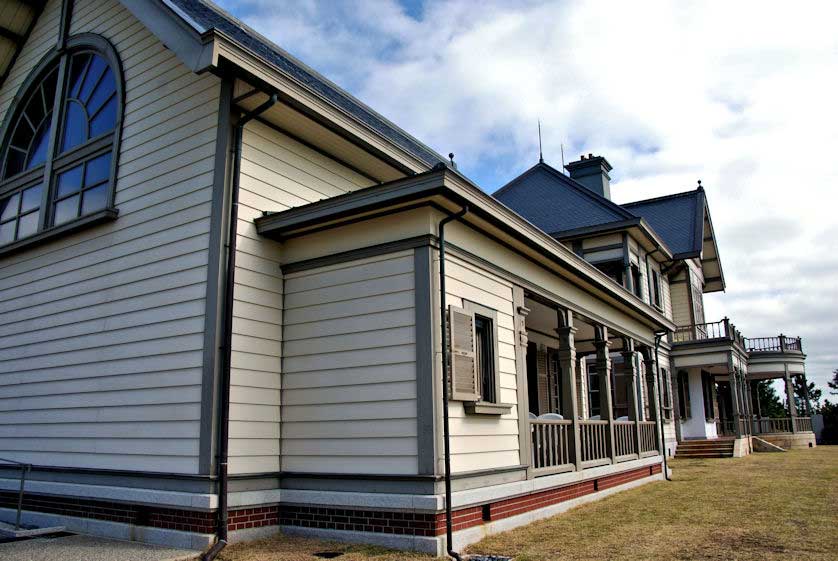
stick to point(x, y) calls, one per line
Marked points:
point(58, 158)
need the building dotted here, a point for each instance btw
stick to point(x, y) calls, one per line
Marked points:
point(225, 293)
point(664, 251)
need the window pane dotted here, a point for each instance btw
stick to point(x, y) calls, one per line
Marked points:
point(69, 182)
point(75, 126)
point(8, 207)
point(94, 199)
point(103, 91)
point(38, 153)
point(98, 170)
point(97, 67)
point(66, 210)
point(105, 120)
point(15, 160)
point(27, 225)
point(31, 199)
point(77, 73)
point(7, 232)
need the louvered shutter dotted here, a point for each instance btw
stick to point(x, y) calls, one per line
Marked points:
point(463, 362)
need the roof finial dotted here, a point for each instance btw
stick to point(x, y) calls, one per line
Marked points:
point(451, 159)
point(699, 185)
point(540, 153)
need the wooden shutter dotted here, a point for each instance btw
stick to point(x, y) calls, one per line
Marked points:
point(463, 362)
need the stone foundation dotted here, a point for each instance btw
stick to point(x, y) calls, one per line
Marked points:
point(789, 441)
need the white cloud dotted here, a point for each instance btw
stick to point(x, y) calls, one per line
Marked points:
point(741, 95)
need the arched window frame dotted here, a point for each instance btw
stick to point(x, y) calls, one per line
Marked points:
point(47, 173)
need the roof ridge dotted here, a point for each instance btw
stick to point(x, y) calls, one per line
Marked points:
point(664, 197)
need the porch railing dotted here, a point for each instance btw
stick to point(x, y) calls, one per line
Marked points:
point(648, 436)
point(624, 438)
point(593, 440)
point(550, 445)
point(803, 424)
point(772, 425)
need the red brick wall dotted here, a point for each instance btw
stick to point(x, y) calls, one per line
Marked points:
point(358, 520)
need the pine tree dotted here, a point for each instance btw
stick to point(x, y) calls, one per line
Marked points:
point(800, 393)
point(770, 403)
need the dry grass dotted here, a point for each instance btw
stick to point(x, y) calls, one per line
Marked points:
point(763, 507)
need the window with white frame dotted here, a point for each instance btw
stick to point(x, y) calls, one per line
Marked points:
point(60, 141)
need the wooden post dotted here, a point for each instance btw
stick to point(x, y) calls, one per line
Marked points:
point(567, 367)
point(806, 395)
point(603, 369)
point(735, 395)
point(636, 403)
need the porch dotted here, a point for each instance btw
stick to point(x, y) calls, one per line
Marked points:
point(592, 392)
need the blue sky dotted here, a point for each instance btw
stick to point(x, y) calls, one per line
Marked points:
point(739, 95)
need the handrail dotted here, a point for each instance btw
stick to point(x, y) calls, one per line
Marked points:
point(724, 329)
point(23, 469)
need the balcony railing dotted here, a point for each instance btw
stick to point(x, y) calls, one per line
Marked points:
point(717, 330)
point(779, 344)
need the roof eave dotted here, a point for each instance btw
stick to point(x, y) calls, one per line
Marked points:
point(461, 191)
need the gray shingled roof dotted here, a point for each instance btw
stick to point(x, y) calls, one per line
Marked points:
point(678, 219)
point(210, 16)
point(556, 203)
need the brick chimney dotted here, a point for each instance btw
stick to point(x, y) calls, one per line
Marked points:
point(592, 172)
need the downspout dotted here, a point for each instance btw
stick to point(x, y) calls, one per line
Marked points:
point(226, 347)
point(445, 365)
point(658, 336)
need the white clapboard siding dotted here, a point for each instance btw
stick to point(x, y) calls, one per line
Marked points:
point(277, 173)
point(349, 385)
point(101, 333)
point(479, 442)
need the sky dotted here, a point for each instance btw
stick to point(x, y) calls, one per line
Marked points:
point(741, 95)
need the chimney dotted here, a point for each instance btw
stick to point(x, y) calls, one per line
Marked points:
point(592, 172)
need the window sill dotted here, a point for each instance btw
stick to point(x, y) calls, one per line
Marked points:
point(485, 408)
point(105, 215)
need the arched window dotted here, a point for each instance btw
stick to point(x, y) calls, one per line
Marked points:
point(59, 151)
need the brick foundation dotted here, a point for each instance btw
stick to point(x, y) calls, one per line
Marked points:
point(305, 516)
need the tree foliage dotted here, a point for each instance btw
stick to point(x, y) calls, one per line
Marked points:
point(801, 392)
point(771, 405)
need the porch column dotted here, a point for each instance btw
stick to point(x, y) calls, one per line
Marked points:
point(603, 369)
point(749, 418)
point(735, 391)
point(652, 383)
point(581, 388)
point(636, 403)
point(790, 399)
point(567, 367)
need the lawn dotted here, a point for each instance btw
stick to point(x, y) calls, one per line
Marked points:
point(763, 507)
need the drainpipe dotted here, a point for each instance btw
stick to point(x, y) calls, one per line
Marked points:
point(445, 365)
point(658, 336)
point(224, 406)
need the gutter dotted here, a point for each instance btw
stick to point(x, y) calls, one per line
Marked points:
point(446, 436)
point(224, 406)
